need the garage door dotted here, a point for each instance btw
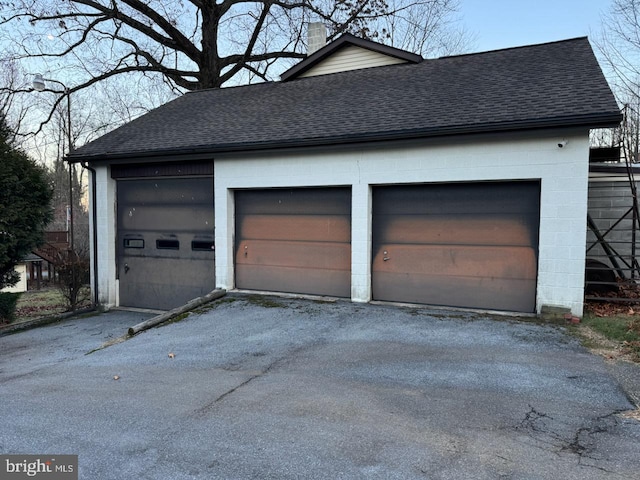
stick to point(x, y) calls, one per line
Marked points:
point(294, 240)
point(465, 245)
point(165, 241)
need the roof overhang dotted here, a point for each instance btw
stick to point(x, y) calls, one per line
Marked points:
point(608, 120)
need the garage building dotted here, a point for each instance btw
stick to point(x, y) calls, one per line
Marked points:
point(365, 173)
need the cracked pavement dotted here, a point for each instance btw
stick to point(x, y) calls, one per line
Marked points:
point(265, 387)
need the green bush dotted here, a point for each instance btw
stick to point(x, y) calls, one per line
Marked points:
point(8, 303)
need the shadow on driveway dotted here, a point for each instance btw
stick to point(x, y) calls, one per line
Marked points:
point(262, 387)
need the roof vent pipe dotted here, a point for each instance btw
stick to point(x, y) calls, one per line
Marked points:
point(316, 37)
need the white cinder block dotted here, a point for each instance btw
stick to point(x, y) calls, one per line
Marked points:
point(563, 204)
point(106, 235)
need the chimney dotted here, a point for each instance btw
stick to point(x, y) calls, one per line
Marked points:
point(316, 37)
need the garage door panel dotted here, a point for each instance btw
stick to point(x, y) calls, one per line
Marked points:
point(459, 261)
point(296, 201)
point(469, 292)
point(305, 255)
point(468, 245)
point(163, 191)
point(294, 240)
point(167, 218)
point(297, 227)
point(162, 283)
point(294, 280)
point(486, 229)
point(462, 198)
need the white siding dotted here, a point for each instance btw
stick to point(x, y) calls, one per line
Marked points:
point(21, 286)
point(351, 58)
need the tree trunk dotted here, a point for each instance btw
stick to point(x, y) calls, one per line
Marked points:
point(210, 65)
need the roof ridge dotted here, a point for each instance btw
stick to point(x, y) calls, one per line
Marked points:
point(566, 40)
point(230, 87)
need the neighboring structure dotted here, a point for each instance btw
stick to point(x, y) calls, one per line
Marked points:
point(613, 234)
point(457, 181)
point(21, 286)
point(30, 268)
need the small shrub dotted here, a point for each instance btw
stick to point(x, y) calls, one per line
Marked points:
point(73, 275)
point(8, 303)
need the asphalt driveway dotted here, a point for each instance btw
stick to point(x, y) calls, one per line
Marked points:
point(271, 388)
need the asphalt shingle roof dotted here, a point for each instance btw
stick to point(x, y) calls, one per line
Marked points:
point(548, 85)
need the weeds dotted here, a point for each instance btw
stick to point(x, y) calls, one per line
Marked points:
point(622, 329)
point(265, 302)
point(176, 319)
point(214, 304)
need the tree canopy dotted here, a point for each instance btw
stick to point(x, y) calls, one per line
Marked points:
point(202, 43)
point(194, 44)
point(25, 210)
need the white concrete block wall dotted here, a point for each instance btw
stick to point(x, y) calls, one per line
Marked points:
point(361, 222)
point(563, 173)
point(92, 252)
point(224, 212)
point(106, 233)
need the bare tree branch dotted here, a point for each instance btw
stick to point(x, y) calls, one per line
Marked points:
point(196, 44)
point(619, 47)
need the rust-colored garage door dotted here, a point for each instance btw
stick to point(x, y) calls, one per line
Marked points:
point(465, 245)
point(294, 240)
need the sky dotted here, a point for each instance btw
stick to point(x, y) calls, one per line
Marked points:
point(511, 23)
point(498, 24)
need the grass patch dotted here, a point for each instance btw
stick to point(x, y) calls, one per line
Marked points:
point(616, 328)
point(40, 303)
point(622, 330)
point(43, 303)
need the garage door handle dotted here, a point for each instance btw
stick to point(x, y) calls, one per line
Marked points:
point(126, 268)
point(384, 259)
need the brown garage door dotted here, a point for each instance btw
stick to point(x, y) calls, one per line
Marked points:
point(466, 245)
point(294, 240)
